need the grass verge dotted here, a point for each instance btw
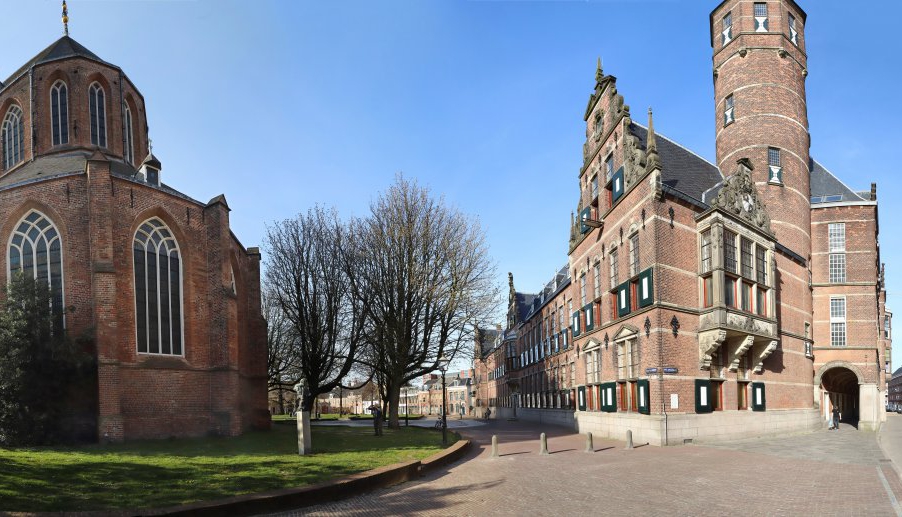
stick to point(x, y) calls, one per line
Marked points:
point(146, 474)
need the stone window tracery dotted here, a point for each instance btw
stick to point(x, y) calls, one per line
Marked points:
point(59, 113)
point(35, 250)
point(13, 137)
point(158, 290)
point(97, 108)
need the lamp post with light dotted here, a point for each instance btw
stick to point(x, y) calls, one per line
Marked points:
point(443, 367)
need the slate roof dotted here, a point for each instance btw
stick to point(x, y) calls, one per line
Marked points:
point(683, 170)
point(524, 305)
point(827, 188)
point(50, 166)
point(897, 373)
point(59, 49)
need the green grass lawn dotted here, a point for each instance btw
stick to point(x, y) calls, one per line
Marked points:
point(146, 474)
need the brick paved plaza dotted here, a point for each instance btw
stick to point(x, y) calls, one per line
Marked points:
point(826, 472)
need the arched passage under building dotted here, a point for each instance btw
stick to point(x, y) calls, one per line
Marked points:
point(840, 388)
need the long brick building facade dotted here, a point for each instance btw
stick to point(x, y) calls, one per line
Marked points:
point(169, 295)
point(706, 301)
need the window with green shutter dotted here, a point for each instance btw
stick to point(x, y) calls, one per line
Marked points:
point(617, 185)
point(590, 322)
point(643, 396)
point(759, 402)
point(576, 331)
point(581, 393)
point(703, 396)
point(623, 299)
point(644, 288)
point(609, 397)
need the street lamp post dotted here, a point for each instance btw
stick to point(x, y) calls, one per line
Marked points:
point(443, 367)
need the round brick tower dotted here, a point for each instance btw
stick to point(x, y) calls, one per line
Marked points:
point(761, 114)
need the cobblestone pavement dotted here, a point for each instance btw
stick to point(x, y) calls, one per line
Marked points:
point(822, 473)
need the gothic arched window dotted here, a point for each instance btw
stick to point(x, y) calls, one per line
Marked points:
point(35, 249)
point(13, 137)
point(129, 137)
point(158, 290)
point(59, 113)
point(97, 107)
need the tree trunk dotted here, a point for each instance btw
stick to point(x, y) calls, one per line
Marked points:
point(394, 395)
point(281, 401)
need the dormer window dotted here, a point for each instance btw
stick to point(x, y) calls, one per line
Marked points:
point(760, 17)
point(97, 107)
point(13, 137)
point(726, 33)
point(59, 113)
point(729, 114)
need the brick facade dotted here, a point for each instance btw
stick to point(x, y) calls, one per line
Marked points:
point(97, 198)
point(711, 316)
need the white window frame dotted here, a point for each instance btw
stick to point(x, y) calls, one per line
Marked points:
point(24, 233)
point(838, 313)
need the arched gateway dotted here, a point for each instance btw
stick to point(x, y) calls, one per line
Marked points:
point(841, 384)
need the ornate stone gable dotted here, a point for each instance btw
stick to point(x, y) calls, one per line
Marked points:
point(739, 197)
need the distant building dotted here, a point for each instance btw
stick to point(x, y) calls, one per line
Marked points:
point(706, 301)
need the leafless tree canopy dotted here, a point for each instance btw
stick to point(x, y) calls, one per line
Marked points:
point(282, 362)
point(308, 274)
point(427, 270)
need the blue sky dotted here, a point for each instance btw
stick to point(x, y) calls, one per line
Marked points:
point(281, 105)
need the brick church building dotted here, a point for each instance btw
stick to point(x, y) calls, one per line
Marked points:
point(169, 295)
point(705, 301)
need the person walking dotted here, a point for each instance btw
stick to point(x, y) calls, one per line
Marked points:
point(377, 419)
point(836, 416)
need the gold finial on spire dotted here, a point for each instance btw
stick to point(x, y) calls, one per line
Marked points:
point(65, 19)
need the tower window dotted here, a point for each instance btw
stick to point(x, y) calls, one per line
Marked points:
point(59, 113)
point(793, 32)
point(760, 17)
point(775, 166)
point(13, 137)
point(97, 107)
point(129, 137)
point(726, 33)
point(729, 114)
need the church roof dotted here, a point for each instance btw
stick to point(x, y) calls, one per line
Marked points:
point(60, 49)
point(682, 170)
point(827, 188)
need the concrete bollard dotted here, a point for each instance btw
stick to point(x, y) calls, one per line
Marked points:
point(629, 439)
point(590, 447)
point(494, 446)
point(543, 449)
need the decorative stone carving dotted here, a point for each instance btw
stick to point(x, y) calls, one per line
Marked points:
point(708, 343)
point(740, 351)
point(739, 197)
point(633, 160)
point(769, 349)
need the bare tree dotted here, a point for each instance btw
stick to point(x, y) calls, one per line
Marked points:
point(430, 279)
point(282, 362)
point(309, 268)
